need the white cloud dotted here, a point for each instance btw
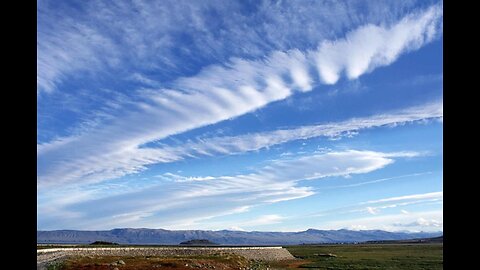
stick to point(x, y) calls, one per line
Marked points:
point(65, 46)
point(188, 202)
point(98, 163)
point(372, 210)
point(103, 37)
point(421, 222)
point(416, 221)
point(221, 92)
point(371, 46)
point(423, 196)
point(374, 206)
point(238, 82)
point(378, 180)
point(143, 79)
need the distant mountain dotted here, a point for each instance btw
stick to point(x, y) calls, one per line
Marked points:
point(223, 237)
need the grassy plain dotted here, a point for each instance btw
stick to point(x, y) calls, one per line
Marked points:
point(355, 257)
point(370, 256)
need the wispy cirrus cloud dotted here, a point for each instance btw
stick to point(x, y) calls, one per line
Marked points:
point(98, 37)
point(372, 210)
point(377, 180)
point(378, 205)
point(371, 46)
point(415, 221)
point(353, 217)
point(223, 92)
point(123, 86)
point(134, 159)
point(375, 207)
point(431, 195)
point(181, 199)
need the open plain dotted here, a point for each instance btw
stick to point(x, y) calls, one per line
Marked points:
point(351, 256)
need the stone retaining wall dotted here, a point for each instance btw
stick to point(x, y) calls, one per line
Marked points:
point(255, 253)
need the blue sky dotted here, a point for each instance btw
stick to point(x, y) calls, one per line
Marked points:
point(242, 115)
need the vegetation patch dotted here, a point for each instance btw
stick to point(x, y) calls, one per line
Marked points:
point(214, 261)
point(198, 242)
point(393, 257)
point(103, 243)
point(56, 265)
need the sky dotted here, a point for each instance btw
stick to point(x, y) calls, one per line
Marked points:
point(240, 115)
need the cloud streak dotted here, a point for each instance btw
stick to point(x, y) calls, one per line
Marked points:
point(377, 180)
point(181, 198)
point(375, 206)
point(123, 86)
point(223, 92)
point(134, 158)
point(416, 221)
point(431, 195)
point(143, 36)
point(371, 46)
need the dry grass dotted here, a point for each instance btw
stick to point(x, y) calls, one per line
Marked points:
point(220, 261)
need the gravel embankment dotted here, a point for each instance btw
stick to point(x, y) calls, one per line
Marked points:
point(255, 253)
point(45, 258)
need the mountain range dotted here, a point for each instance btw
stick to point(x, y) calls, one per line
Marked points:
point(224, 237)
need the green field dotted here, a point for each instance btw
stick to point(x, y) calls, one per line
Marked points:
point(371, 256)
